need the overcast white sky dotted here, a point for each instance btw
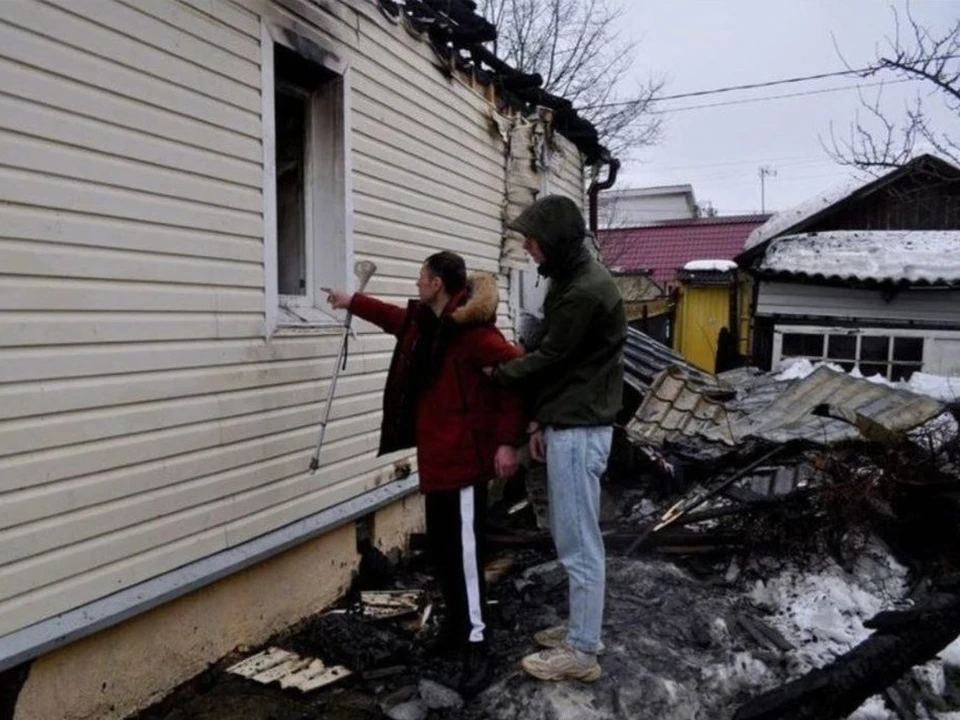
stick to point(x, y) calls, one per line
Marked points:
point(705, 44)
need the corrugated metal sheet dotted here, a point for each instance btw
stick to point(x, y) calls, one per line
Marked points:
point(645, 358)
point(791, 416)
point(144, 420)
point(875, 256)
point(760, 407)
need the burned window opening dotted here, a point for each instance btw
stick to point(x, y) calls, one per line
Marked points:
point(299, 86)
point(291, 123)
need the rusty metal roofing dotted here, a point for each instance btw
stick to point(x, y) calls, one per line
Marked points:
point(715, 411)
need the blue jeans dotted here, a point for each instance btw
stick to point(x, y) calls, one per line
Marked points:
point(576, 458)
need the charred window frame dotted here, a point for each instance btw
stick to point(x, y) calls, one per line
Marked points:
point(307, 215)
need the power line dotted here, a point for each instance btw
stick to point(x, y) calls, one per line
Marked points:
point(723, 167)
point(754, 86)
point(751, 161)
point(745, 101)
point(734, 88)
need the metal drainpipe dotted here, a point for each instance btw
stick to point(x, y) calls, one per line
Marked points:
point(597, 186)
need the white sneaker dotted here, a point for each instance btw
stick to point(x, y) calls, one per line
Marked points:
point(556, 637)
point(562, 663)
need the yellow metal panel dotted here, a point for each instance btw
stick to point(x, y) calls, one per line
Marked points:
point(701, 312)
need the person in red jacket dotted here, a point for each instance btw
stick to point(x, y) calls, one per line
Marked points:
point(464, 426)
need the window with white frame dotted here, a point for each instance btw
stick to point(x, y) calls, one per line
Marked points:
point(892, 353)
point(307, 239)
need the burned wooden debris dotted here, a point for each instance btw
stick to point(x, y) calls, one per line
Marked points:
point(289, 670)
point(749, 463)
point(901, 641)
point(745, 442)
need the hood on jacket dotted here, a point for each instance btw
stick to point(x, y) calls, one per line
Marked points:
point(480, 300)
point(557, 225)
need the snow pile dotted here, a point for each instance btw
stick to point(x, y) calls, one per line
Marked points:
point(936, 386)
point(710, 266)
point(821, 610)
point(951, 655)
point(742, 672)
point(800, 368)
point(872, 709)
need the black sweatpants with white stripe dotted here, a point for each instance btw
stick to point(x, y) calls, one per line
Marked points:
point(456, 530)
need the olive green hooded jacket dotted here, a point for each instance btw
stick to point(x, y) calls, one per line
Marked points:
point(576, 374)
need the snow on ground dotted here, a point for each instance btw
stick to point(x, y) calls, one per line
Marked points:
point(821, 610)
point(951, 655)
point(675, 650)
point(872, 709)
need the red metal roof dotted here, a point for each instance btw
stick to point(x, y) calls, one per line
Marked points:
point(666, 247)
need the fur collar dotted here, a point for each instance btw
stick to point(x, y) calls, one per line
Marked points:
point(482, 298)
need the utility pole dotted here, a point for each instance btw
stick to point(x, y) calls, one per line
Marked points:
point(765, 172)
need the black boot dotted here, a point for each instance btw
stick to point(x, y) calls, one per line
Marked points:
point(476, 669)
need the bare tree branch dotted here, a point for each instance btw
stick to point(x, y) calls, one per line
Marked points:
point(877, 143)
point(575, 45)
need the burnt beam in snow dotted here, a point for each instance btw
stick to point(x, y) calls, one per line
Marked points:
point(901, 641)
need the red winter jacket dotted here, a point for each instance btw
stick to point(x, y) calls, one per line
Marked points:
point(437, 397)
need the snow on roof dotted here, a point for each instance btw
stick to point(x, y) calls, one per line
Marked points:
point(785, 219)
point(710, 266)
point(929, 257)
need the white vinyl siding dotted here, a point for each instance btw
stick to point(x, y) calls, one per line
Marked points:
point(145, 421)
point(932, 307)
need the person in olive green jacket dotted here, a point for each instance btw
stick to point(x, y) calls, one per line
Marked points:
point(576, 376)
